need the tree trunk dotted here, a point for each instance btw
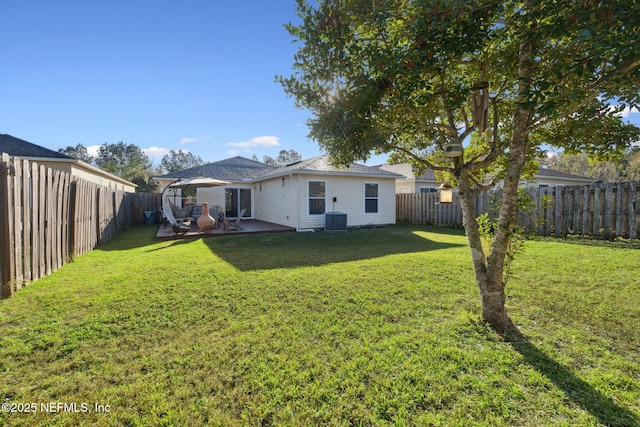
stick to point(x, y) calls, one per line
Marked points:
point(489, 281)
point(489, 270)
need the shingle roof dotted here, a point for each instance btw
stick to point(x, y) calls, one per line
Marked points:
point(21, 148)
point(429, 175)
point(233, 169)
point(549, 173)
point(239, 169)
point(322, 164)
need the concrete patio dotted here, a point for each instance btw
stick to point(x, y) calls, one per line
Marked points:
point(248, 226)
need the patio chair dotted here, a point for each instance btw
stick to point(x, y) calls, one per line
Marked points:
point(180, 213)
point(196, 211)
point(217, 213)
point(235, 225)
point(179, 227)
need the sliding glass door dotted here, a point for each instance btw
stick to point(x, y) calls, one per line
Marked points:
point(237, 199)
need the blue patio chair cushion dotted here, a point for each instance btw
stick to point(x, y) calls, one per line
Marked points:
point(196, 211)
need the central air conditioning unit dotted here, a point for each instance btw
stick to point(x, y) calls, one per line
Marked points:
point(335, 221)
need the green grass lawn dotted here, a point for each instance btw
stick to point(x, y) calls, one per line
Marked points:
point(371, 327)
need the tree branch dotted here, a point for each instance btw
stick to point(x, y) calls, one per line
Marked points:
point(475, 163)
point(422, 160)
point(595, 94)
point(453, 131)
point(479, 188)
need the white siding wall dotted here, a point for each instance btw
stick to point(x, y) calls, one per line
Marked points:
point(275, 201)
point(349, 194)
point(286, 202)
point(212, 195)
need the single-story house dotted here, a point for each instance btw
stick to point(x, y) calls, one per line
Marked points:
point(296, 195)
point(427, 182)
point(58, 161)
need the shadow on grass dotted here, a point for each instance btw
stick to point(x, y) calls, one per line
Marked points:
point(579, 391)
point(290, 250)
point(171, 244)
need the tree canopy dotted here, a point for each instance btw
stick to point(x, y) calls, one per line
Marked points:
point(127, 161)
point(179, 160)
point(501, 78)
point(284, 158)
point(399, 76)
point(78, 152)
point(626, 168)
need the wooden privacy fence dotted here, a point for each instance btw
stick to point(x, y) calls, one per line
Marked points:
point(597, 210)
point(47, 217)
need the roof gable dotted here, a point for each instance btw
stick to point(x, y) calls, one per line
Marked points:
point(242, 169)
point(21, 148)
point(322, 164)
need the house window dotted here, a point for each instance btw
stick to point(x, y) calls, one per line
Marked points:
point(427, 190)
point(370, 198)
point(317, 194)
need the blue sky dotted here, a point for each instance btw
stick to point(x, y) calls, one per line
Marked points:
point(194, 75)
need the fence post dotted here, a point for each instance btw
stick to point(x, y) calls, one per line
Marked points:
point(72, 219)
point(98, 217)
point(6, 273)
point(631, 210)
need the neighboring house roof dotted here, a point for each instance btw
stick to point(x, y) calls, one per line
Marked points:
point(21, 148)
point(233, 169)
point(549, 173)
point(27, 150)
point(322, 165)
point(406, 170)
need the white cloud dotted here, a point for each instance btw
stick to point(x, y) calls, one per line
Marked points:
point(93, 150)
point(155, 152)
point(628, 111)
point(625, 113)
point(258, 141)
point(189, 140)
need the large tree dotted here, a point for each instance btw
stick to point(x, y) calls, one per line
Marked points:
point(179, 160)
point(409, 77)
point(127, 161)
point(626, 168)
point(284, 158)
point(78, 152)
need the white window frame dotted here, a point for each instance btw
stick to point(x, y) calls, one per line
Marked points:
point(432, 189)
point(309, 198)
point(376, 198)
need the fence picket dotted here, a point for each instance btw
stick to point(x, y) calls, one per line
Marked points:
point(631, 209)
point(51, 216)
point(592, 210)
point(26, 225)
point(619, 209)
point(6, 264)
